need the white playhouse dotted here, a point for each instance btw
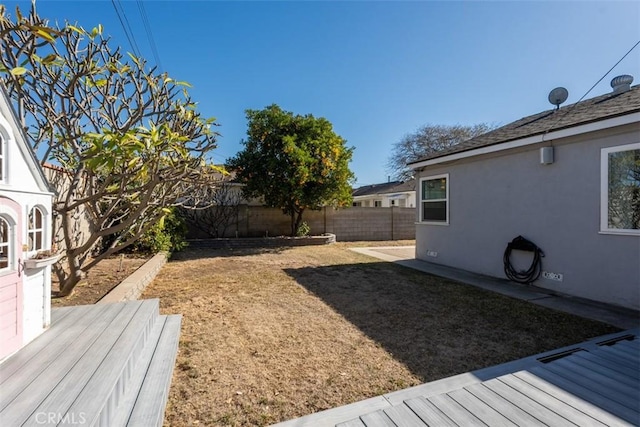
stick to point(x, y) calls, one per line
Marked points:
point(25, 235)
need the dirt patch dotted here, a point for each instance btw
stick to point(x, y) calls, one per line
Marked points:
point(106, 275)
point(272, 335)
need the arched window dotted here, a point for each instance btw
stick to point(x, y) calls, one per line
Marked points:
point(36, 229)
point(5, 244)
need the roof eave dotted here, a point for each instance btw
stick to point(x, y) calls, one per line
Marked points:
point(607, 123)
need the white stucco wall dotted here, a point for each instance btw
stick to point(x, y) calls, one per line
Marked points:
point(496, 197)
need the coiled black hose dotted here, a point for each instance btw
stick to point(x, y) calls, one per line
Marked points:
point(530, 275)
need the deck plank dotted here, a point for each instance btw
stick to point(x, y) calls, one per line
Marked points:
point(53, 340)
point(568, 397)
point(31, 398)
point(587, 393)
point(352, 423)
point(117, 365)
point(429, 413)
point(140, 371)
point(377, 419)
point(545, 415)
point(629, 358)
point(555, 404)
point(621, 393)
point(401, 415)
point(614, 362)
point(67, 390)
point(454, 411)
point(52, 365)
point(629, 351)
point(149, 407)
point(633, 344)
point(621, 375)
point(503, 406)
point(479, 409)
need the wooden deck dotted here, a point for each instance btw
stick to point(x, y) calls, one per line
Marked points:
point(596, 383)
point(107, 365)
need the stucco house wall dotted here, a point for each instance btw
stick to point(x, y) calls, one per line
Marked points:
point(496, 197)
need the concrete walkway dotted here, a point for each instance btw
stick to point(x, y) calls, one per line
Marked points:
point(405, 255)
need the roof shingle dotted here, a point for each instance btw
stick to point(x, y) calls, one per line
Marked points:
point(591, 110)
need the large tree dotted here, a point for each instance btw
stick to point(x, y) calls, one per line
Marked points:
point(293, 162)
point(426, 140)
point(128, 140)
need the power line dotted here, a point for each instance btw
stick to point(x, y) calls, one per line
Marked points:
point(122, 17)
point(570, 109)
point(610, 69)
point(147, 27)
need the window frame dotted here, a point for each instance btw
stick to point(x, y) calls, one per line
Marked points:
point(35, 230)
point(8, 245)
point(604, 189)
point(446, 199)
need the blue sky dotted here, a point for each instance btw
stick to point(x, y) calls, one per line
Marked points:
point(376, 70)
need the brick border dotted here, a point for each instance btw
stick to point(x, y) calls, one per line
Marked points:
point(131, 288)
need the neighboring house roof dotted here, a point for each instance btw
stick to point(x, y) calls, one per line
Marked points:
point(6, 109)
point(584, 112)
point(385, 188)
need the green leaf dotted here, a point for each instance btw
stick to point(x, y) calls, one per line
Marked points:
point(18, 71)
point(49, 58)
point(45, 35)
point(76, 29)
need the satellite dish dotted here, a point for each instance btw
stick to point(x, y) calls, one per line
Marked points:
point(557, 96)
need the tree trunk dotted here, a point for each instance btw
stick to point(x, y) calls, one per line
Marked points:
point(293, 223)
point(298, 221)
point(69, 281)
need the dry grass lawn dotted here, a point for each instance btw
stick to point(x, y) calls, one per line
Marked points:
point(270, 335)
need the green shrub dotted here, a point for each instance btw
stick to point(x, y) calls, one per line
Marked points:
point(303, 230)
point(167, 234)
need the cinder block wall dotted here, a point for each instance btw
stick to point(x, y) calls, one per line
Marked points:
point(356, 223)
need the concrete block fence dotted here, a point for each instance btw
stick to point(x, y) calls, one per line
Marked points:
point(350, 224)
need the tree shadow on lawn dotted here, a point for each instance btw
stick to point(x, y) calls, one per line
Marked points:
point(438, 327)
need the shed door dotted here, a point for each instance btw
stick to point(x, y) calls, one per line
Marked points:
point(10, 278)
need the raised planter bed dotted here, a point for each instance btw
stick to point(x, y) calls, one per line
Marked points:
point(262, 242)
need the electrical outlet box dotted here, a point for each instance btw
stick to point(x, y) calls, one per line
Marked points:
point(552, 276)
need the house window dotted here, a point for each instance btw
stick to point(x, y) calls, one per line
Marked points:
point(36, 229)
point(377, 203)
point(434, 198)
point(620, 189)
point(5, 248)
point(357, 204)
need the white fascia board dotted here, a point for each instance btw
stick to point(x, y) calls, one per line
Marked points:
point(535, 139)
